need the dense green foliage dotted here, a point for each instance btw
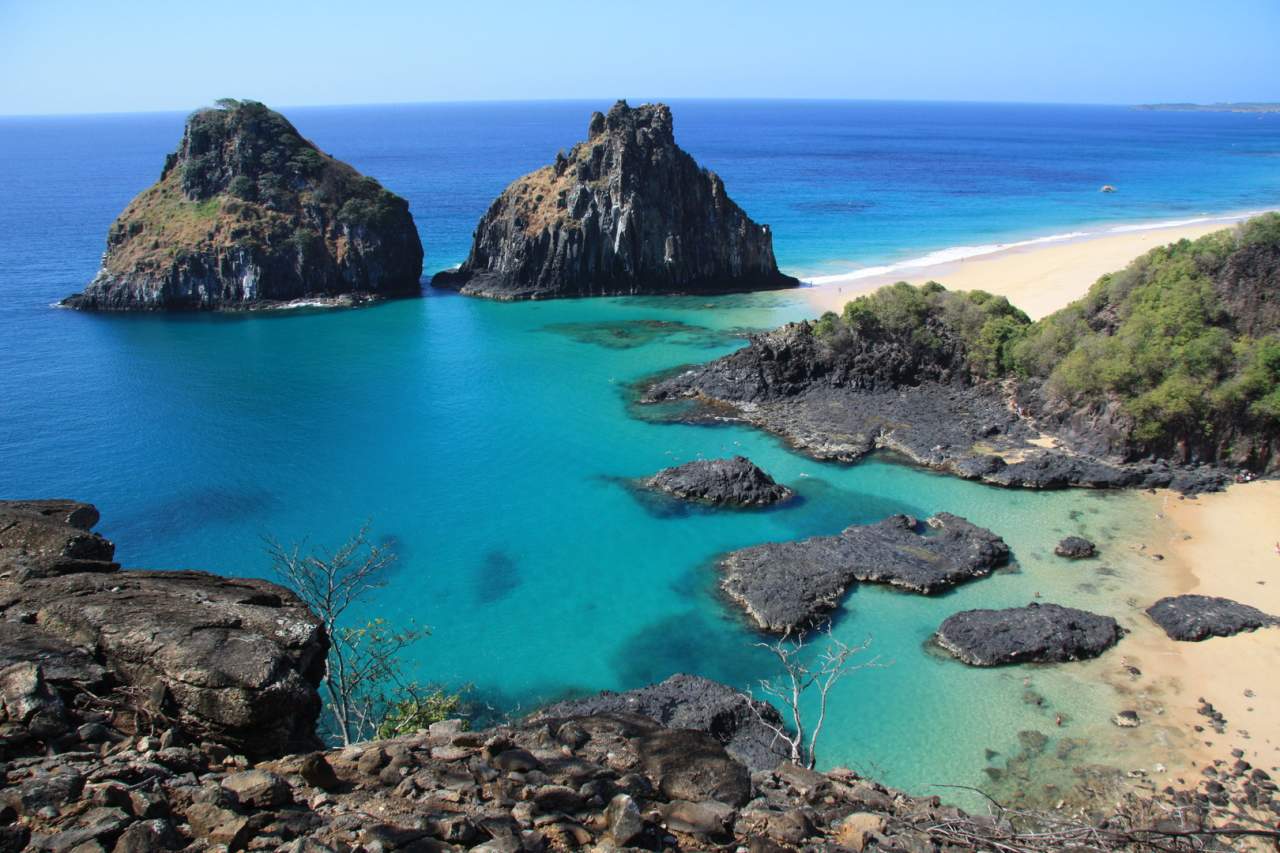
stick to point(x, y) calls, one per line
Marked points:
point(1156, 336)
point(930, 318)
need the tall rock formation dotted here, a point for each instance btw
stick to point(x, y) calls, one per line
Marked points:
point(626, 212)
point(247, 212)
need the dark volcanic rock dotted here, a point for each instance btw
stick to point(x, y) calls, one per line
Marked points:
point(788, 585)
point(1037, 633)
point(626, 212)
point(1198, 617)
point(230, 661)
point(880, 392)
point(693, 702)
point(1075, 548)
point(247, 213)
point(723, 482)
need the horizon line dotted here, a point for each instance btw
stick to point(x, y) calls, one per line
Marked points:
point(587, 99)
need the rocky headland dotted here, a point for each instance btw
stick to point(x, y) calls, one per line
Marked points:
point(249, 214)
point(733, 482)
point(964, 383)
point(1037, 633)
point(786, 587)
point(625, 212)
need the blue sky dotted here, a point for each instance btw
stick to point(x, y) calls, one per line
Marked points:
point(72, 56)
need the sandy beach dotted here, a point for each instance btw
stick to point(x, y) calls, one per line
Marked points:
point(1038, 277)
point(1221, 544)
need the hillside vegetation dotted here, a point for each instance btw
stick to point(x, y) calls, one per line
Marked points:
point(1183, 344)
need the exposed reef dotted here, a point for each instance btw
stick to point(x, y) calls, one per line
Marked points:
point(625, 212)
point(789, 586)
point(735, 482)
point(1037, 633)
point(249, 214)
point(1193, 618)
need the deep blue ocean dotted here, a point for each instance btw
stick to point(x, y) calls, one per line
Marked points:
point(489, 442)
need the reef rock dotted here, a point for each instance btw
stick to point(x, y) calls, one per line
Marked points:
point(1037, 633)
point(247, 213)
point(625, 212)
point(224, 660)
point(1075, 548)
point(694, 702)
point(722, 482)
point(785, 586)
point(1197, 617)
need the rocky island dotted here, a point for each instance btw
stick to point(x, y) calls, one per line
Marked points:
point(625, 212)
point(1037, 633)
point(735, 482)
point(1166, 374)
point(788, 586)
point(249, 214)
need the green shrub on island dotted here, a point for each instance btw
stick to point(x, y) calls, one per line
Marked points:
point(1186, 338)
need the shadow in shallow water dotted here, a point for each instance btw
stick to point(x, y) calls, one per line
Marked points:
point(629, 334)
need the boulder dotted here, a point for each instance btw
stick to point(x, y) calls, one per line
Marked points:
point(1037, 633)
point(233, 661)
point(785, 586)
point(689, 765)
point(693, 702)
point(1075, 548)
point(625, 212)
point(735, 482)
point(248, 213)
point(1193, 618)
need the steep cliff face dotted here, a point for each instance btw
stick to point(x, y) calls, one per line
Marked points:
point(627, 211)
point(246, 212)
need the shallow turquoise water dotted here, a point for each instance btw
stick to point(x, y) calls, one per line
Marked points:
point(488, 442)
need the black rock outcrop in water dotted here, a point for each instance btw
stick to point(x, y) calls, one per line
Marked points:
point(722, 482)
point(247, 213)
point(785, 586)
point(230, 661)
point(1197, 617)
point(694, 702)
point(1037, 633)
point(626, 212)
point(1075, 548)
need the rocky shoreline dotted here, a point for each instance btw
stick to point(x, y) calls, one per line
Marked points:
point(146, 711)
point(781, 383)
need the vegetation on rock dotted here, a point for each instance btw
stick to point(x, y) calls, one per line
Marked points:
point(1184, 342)
point(246, 210)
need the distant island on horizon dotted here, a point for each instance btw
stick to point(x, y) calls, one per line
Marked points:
point(1220, 107)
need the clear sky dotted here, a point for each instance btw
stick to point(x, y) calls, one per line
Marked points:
point(70, 56)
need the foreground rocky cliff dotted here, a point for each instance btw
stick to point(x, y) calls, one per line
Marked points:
point(625, 212)
point(1167, 374)
point(148, 711)
point(247, 213)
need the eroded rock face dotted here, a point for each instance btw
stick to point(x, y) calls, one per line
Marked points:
point(1197, 617)
point(735, 482)
point(1037, 633)
point(248, 213)
point(627, 211)
point(785, 586)
point(231, 661)
point(692, 702)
